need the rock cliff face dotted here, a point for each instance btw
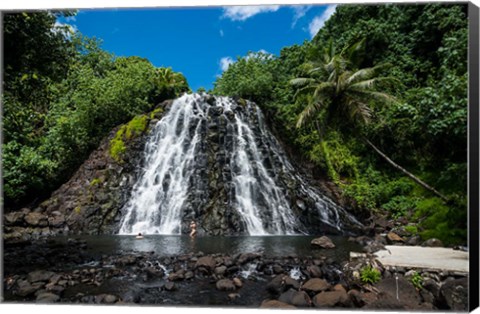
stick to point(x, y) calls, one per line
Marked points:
point(236, 180)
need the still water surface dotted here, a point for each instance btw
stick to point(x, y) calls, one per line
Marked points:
point(182, 244)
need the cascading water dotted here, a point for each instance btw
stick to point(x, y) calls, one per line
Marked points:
point(212, 159)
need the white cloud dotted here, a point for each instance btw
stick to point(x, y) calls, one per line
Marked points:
point(241, 13)
point(319, 21)
point(299, 12)
point(262, 53)
point(65, 29)
point(225, 63)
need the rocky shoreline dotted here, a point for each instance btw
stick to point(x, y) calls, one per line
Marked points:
point(46, 271)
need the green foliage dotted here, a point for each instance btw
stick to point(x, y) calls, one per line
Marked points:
point(411, 229)
point(117, 145)
point(446, 223)
point(417, 280)
point(136, 126)
point(336, 156)
point(95, 182)
point(62, 95)
point(370, 275)
point(250, 77)
point(400, 205)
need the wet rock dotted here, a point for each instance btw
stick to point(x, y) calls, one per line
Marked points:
point(414, 241)
point(206, 262)
point(291, 283)
point(316, 285)
point(331, 299)
point(427, 296)
point(323, 242)
point(225, 285)
point(107, 298)
point(297, 298)
point(170, 286)
point(361, 299)
point(36, 219)
point(385, 303)
point(13, 218)
point(189, 275)
point(237, 282)
point(24, 288)
point(339, 287)
point(455, 294)
point(277, 269)
point(126, 260)
point(275, 304)
point(154, 273)
point(177, 276)
point(432, 286)
point(406, 291)
point(40, 275)
point(314, 271)
point(247, 257)
point(220, 270)
point(47, 297)
point(393, 237)
point(433, 242)
point(57, 220)
point(233, 296)
point(277, 285)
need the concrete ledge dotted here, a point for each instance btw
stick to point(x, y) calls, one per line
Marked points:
point(433, 258)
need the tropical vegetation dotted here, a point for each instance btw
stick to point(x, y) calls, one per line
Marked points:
point(377, 102)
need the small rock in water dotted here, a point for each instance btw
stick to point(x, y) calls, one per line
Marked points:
point(233, 296)
point(323, 242)
point(170, 286)
point(237, 282)
point(225, 285)
point(274, 304)
point(47, 297)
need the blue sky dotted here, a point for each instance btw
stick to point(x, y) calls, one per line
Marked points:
point(200, 42)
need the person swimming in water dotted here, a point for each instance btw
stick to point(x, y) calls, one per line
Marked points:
point(193, 229)
point(139, 236)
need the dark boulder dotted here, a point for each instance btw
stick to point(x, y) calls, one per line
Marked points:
point(433, 242)
point(455, 294)
point(297, 298)
point(36, 219)
point(332, 299)
point(47, 297)
point(40, 275)
point(275, 304)
point(206, 262)
point(316, 285)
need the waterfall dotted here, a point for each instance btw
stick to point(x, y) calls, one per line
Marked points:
point(213, 159)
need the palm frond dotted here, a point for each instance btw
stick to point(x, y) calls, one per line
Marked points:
point(373, 95)
point(308, 113)
point(304, 90)
point(301, 81)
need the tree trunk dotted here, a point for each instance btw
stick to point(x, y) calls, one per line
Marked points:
point(408, 174)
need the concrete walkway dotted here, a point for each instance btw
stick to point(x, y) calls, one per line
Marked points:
point(424, 257)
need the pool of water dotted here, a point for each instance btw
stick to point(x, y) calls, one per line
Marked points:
point(182, 244)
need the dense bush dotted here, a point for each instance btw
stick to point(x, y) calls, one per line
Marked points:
point(62, 95)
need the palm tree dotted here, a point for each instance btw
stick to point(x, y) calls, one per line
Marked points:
point(343, 94)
